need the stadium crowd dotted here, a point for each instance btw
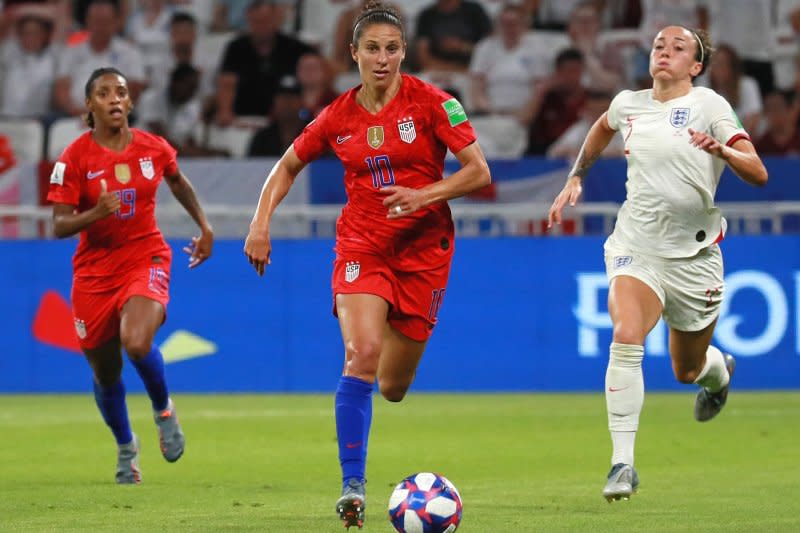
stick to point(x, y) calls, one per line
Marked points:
point(536, 71)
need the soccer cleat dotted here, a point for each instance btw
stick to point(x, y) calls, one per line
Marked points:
point(128, 472)
point(170, 437)
point(622, 482)
point(708, 404)
point(352, 503)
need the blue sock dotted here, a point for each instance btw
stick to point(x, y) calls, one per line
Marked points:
point(353, 419)
point(151, 370)
point(111, 402)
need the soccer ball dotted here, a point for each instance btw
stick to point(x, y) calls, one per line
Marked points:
point(425, 503)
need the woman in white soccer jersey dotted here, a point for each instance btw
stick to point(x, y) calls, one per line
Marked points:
point(663, 258)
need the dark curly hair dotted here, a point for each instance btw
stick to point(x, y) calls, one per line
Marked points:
point(376, 12)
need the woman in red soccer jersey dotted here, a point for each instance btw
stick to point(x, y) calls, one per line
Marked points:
point(104, 186)
point(395, 235)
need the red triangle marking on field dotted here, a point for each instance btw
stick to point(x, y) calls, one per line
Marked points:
point(53, 323)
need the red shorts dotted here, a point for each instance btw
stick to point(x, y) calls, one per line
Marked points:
point(96, 308)
point(414, 297)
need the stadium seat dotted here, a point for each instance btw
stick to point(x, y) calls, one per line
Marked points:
point(27, 138)
point(500, 137)
point(62, 132)
point(234, 139)
point(211, 46)
point(318, 22)
point(785, 49)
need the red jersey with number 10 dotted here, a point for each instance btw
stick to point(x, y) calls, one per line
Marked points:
point(125, 239)
point(403, 144)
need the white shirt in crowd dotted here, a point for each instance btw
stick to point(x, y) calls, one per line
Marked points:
point(743, 24)
point(669, 210)
point(152, 40)
point(78, 63)
point(181, 122)
point(27, 85)
point(510, 74)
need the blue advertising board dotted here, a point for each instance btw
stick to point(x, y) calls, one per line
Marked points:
point(519, 315)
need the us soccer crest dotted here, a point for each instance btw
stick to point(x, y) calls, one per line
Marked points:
point(679, 117)
point(80, 328)
point(146, 166)
point(122, 172)
point(406, 128)
point(375, 136)
point(351, 271)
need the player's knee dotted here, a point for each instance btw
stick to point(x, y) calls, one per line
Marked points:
point(627, 334)
point(363, 356)
point(393, 391)
point(136, 347)
point(686, 375)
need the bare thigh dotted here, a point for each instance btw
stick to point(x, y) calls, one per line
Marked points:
point(399, 359)
point(140, 318)
point(688, 351)
point(634, 309)
point(362, 319)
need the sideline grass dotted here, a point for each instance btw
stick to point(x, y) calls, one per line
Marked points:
point(522, 463)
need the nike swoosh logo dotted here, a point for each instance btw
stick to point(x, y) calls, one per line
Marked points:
point(352, 445)
point(340, 140)
point(93, 175)
point(612, 389)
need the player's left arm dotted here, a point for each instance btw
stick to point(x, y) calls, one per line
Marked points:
point(200, 248)
point(741, 156)
point(473, 175)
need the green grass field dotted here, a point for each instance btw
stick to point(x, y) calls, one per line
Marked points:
point(521, 462)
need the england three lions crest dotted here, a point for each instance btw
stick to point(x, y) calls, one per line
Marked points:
point(351, 271)
point(406, 128)
point(679, 117)
point(146, 166)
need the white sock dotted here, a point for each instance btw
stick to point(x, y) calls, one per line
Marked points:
point(624, 398)
point(714, 375)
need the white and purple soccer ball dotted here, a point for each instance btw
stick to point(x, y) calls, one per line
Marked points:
point(425, 503)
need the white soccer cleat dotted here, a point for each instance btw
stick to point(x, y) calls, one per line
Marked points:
point(622, 483)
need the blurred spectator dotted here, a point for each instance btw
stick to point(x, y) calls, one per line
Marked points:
point(286, 121)
point(569, 144)
point(102, 48)
point(313, 76)
point(175, 112)
point(746, 26)
point(254, 62)
point(604, 64)
point(505, 65)
point(782, 137)
point(28, 68)
point(555, 14)
point(148, 28)
point(57, 12)
point(726, 77)
point(447, 33)
point(80, 8)
point(556, 104)
point(183, 49)
point(231, 15)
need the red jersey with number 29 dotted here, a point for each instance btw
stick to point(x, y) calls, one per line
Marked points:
point(130, 236)
point(403, 144)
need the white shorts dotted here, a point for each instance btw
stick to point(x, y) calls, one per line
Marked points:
point(690, 289)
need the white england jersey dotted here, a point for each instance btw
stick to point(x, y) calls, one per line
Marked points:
point(669, 210)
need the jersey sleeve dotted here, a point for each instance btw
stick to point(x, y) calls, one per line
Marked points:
point(170, 158)
point(615, 113)
point(313, 140)
point(450, 122)
point(65, 185)
point(723, 123)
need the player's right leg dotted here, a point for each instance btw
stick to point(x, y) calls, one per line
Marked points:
point(635, 309)
point(109, 394)
point(362, 318)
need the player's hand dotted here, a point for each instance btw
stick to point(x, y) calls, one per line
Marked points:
point(705, 142)
point(200, 248)
point(401, 201)
point(569, 194)
point(257, 249)
point(107, 202)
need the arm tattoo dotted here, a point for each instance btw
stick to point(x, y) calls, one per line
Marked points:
point(583, 163)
